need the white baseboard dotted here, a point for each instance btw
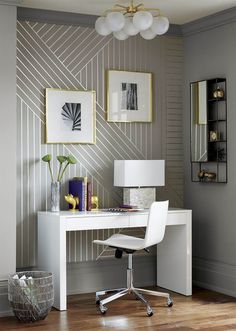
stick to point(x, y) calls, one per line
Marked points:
point(92, 276)
point(5, 309)
point(215, 276)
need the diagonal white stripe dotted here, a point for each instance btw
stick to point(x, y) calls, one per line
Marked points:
point(62, 35)
point(76, 48)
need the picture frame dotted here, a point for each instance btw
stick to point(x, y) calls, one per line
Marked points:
point(70, 116)
point(129, 96)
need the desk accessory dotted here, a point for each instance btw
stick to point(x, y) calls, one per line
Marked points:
point(73, 201)
point(56, 184)
point(89, 196)
point(123, 210)
point(81, 188)
point(77, 188)
point(138, 179)
point(94, 202)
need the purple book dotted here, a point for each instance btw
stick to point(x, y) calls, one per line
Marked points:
point(77, 189)
point(89, 196)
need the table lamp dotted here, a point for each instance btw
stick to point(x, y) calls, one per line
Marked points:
point(139, 179)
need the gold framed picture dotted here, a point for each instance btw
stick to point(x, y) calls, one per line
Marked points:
point(129, 96)
point(70, 116)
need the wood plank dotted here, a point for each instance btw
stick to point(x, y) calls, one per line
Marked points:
point(205, 310)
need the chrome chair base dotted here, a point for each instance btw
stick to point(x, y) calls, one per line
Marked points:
point(138, 292)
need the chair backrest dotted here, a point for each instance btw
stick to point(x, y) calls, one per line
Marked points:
point(156, 223)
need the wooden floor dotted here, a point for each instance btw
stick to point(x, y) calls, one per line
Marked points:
point(205, 310)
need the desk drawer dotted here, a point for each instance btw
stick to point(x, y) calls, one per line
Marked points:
point(177, 218)
point(95, 223)
point(138, 220)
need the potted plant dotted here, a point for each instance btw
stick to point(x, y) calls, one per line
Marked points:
point(64, 161)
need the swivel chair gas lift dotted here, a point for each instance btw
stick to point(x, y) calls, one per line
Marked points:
point(154, 234)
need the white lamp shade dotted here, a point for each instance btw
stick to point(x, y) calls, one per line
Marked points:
point(160, 25)
point(142, 20)
point(115, 21)
point(129, 27)
point(120, 35)
point(148, 34)
point(137, 173)
point(101, 26)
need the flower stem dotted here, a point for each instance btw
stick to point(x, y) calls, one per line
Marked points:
point(63, 171)
point(59, 172)
point(50, 170)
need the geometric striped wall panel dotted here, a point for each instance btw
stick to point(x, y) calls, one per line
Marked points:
point(72, 57)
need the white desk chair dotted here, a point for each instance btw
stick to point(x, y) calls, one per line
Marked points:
point(154, 234)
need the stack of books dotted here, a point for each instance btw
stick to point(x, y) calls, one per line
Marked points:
point(81, 188)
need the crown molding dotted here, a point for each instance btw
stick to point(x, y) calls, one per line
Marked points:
point(55, 17)
point(209, 22)
point(58, 17)
point(10, 2)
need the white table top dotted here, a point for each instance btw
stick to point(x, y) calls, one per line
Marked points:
point(103, 212)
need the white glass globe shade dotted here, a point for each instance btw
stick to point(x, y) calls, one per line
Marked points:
point(101, 26)
point(142, 20)
point(120, 35)
point(160, 25)
point(115, 21)
point(129, 27)
point(148, 34)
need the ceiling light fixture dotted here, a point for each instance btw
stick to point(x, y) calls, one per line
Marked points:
point(125, 21)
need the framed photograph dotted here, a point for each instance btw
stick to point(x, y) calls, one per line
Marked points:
point(70, 116)
point(129, 96)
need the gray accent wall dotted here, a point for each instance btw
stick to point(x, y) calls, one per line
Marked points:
point(76, 57)
point(208, 54)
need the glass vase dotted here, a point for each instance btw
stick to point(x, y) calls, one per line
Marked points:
point(55, 196)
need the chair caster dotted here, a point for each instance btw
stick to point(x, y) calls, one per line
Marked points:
point(170, 302)
point(97, 301)
point(149, 312)
point(102, 309)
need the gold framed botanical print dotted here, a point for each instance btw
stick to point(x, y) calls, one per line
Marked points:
point(129, 96)
point(70, 116)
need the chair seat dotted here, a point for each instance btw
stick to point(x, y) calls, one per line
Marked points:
point(122, 241)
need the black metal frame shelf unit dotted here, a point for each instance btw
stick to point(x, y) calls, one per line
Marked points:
point(209, 131)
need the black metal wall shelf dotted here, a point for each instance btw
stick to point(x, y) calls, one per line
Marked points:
point(210, 164)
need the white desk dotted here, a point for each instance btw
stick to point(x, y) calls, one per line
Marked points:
point(174, 253)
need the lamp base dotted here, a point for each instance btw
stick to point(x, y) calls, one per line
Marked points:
point(140, 197)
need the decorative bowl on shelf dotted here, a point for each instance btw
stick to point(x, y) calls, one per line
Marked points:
point(218, 93)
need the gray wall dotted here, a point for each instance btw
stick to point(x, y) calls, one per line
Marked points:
point(64, 56)
point(7, 147)
point(211, 53)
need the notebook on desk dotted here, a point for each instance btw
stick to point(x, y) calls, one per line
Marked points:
point(123, 210)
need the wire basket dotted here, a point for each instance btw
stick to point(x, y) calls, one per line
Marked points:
point(31, 299)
